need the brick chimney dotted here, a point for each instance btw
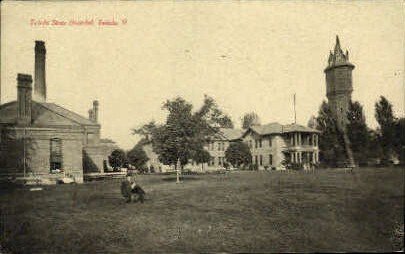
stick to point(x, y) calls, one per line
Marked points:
point(91, 114)
point(40, 84)
point(95, 111)
point(24, 99)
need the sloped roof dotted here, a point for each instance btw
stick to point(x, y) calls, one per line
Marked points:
point(8, 113)
point(276, 128)
point(231, 134)
point(298, 128)
point(67, 113)
point(267, 128)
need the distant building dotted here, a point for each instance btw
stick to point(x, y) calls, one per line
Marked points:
point(217, 146)
point(43, 138)
point(272, 144)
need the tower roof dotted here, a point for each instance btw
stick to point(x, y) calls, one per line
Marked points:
point(337, 57)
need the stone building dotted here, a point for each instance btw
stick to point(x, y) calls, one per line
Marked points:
point(43, 138)
point(271, 144)
point(339, 90)
point(339, 85)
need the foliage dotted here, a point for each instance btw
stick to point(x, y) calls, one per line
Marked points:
point(19, 153)
point(312, 122)
point(117, 159)
point(183, 135)
point(399, 142)
point(331, 144)
point(137, 157)
point(386, 120)
point(358, 133)
point(201, 156)
point(238, 153)
point(250, 119)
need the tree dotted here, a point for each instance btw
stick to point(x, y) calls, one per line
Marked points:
point(399, 144)
point(202, 157)
point(331, 143)
point(385, 118)
point(137, 157)
point(250, 119)
point(238, 153)
point(358, 133)
point(117, 159)
point(312, 122)
point(185, 132)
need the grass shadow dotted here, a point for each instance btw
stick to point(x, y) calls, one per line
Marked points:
point(182, 178)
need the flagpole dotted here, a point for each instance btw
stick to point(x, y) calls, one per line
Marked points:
point(295, 112)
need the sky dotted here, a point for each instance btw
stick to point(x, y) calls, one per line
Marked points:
point(248, 56)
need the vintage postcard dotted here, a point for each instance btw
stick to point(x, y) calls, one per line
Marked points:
point(202, 126)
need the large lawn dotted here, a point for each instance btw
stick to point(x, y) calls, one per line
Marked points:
point(327, 210)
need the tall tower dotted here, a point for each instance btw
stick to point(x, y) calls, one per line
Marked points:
point(339, 85)
point(339, 90)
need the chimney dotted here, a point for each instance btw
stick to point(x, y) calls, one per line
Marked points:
point(91, 114)
point(40, 85)
point(24, 98)
point(95, 111)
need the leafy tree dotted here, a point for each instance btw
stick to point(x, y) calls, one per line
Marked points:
point(137, 157)
point(358, 133)
point(250, 119)
point(201, 157)
point(331, 143)
point(20, 149)
point(238, 153)
point(312, 122)
point(117, 159)
point(385, 118)
point(399, 144)
point(185, 132)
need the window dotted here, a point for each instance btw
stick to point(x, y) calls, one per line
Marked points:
point(270, 160)
point(256, 143)
point(56, 154)
point(250, 143)
point(261, 160)
point(256, 160)
point(260, 142)
point(269, 141)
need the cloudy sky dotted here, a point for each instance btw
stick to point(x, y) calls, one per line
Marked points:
point(249, 56)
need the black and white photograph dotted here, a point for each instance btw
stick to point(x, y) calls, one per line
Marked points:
point(202, 126)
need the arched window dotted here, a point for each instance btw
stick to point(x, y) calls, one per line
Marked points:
point(56, 157)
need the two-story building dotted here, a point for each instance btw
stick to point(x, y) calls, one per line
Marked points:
point(274, 144)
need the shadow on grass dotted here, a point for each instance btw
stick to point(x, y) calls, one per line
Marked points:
point(183, 178)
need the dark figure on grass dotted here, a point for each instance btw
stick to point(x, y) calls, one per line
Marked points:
point(131, 191)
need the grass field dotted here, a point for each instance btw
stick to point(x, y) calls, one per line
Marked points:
point(328, 210)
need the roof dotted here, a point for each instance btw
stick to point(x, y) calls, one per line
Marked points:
point(276, 128)
point(41, 112)
point(68, 114)
point(231, 134)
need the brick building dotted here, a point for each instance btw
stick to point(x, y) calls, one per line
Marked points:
point(42, 138)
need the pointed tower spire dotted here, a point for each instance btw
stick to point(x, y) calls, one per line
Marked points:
point(337, 46)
